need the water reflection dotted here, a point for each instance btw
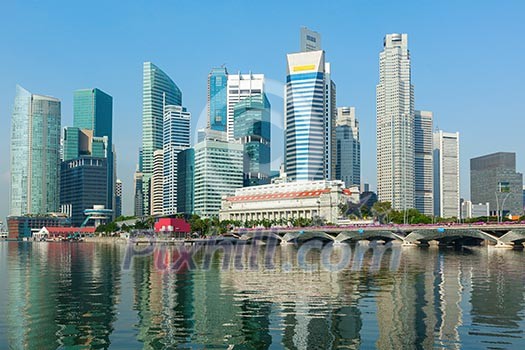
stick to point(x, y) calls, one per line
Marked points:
point(67, 296)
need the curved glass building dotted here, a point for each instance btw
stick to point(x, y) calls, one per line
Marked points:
point(158, 91)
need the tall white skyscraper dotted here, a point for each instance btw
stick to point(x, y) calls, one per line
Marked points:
point(423, 148)
point(239, 87)
point(310, 113)
point(395, 124)
point(446, 174)
point(176, 138)
point(348, 147)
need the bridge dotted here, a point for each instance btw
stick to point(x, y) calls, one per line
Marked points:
point(500, 235)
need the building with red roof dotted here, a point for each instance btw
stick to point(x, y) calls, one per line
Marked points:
point(288, 201)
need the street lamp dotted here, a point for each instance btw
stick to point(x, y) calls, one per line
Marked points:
point(503, 187)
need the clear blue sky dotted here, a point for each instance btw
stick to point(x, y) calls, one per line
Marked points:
point(467, 61)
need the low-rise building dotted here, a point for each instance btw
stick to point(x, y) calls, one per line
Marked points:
point(470, 210)
point(288, 201)
point(20, 227)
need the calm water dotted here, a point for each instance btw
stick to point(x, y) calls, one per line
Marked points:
point(82, 296)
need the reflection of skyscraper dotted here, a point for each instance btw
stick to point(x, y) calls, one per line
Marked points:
point(158, 91)
point(35, 153)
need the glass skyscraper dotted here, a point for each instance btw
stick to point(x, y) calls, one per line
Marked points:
point(348, 167)
point(185, 181)
point(158, 91)
point(217, 98)
point(176, 139)
point(35, 154)
point(252, 129)
point(93, 110)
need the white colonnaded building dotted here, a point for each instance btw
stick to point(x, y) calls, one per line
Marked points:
point(288, 201)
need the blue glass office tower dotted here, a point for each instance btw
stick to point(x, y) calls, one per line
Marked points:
point(35, 154)
point(158, 90)
point(252, 128)
point(310, 118)
point(93, 110)
point(217, 99)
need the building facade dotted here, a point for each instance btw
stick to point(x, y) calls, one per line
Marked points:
point(118, 198)
point(218, 99)
point(494, 180)
point(20, 227)
point(423, 148)
point(446, 175)
point(83, 184)
point(158, 90)
point(186, 181)
point(138, 197)
point(176, 139)
point(395, 124)
point(35, 154)
point(310, 40)
point(218, 172)
point(241, 86)
point(287, 201)
point(470, 210)
point(252, 129)
point(348, 147)
point(309, 118)
point(93, 110)
point(157, 184)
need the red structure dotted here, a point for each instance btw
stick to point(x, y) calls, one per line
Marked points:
point(172, 225)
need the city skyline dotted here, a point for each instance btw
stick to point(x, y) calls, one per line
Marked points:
point(476, 139)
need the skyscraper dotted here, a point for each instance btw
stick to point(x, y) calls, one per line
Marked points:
point(118, 198)
point(424, 187)
point(217, 99)
point(83, 184)
point(309, 117)
point(157, 184)
point(138, 208)
point(395, 124)
point(93, 110)
point(310, 40)
point(158, 91)
point(241, 86)
point(185, 181)
point(348, 147)
point(446, 174)
point(494, 180)
point(176, 139)
point(218, 172)
point(252, 129)
point(35, 154)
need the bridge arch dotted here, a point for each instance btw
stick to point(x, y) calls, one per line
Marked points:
point(362, 235)
point(303, 236)
point(445, 234)
point(260, 235)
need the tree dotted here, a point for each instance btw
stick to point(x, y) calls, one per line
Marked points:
point(381, 210)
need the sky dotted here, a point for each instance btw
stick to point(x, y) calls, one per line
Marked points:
point(467, 62)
